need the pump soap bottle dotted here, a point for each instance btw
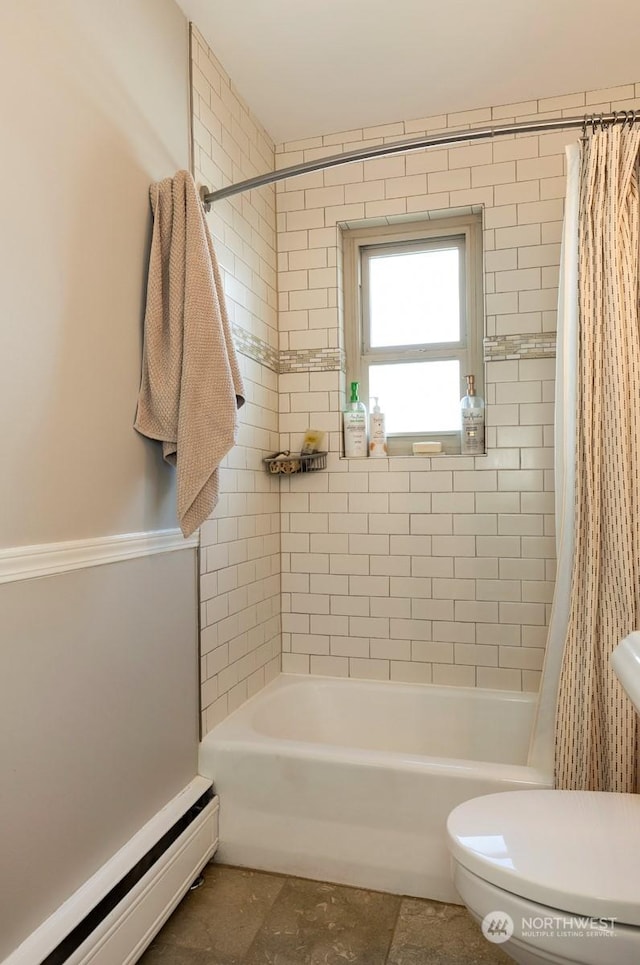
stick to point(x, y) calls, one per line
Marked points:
point(472, 412)
point(377, 433)
point(354, 420)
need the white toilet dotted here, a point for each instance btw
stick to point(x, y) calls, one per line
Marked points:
point(554, 876)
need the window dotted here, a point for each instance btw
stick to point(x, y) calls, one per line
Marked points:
point(413, 311)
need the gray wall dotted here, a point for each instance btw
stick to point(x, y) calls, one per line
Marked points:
point(98, 722)
point(94, 106)
point(98, 668)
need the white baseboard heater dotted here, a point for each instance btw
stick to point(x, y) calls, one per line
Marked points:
point(114, 916)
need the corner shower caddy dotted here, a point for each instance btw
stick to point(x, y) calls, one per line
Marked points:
point(289, 463)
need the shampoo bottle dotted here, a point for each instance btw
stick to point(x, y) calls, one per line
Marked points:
point(354, 421)
point(377, 434)
point(472, 429)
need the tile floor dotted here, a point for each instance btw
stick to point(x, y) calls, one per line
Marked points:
point(241, 917)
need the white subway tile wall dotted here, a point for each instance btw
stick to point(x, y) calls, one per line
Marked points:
point(416, 569)
point(240, 545)
point(426, 569)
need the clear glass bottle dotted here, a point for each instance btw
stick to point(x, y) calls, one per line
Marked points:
point(472, 415)
point(354, 421)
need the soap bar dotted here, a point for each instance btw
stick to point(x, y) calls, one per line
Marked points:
point(426, 448)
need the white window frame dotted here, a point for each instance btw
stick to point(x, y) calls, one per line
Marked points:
point(358, 245)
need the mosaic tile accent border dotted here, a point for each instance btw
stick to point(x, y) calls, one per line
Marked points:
point(255, 349)
point(312, 359)
point(536, 345)
point(296, 360)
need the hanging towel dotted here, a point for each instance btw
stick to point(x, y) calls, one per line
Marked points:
point(191, 386)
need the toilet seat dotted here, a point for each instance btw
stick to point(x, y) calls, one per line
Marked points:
point(576, 851)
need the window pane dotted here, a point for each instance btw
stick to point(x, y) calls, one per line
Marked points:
point(414, 298)
point(418, 396)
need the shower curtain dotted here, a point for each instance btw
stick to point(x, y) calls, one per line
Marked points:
point(541, 753)
point(596, 730)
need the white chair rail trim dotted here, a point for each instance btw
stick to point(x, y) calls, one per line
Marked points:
point(48, 559)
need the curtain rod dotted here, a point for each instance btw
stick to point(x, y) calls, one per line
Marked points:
point(415, 144)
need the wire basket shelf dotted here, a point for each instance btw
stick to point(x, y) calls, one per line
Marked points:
point(290, 463)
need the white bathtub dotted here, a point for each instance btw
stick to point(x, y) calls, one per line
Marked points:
point(351, 781)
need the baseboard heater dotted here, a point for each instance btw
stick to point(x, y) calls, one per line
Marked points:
point(114, 916)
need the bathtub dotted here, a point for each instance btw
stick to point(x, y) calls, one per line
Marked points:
point(351, 781)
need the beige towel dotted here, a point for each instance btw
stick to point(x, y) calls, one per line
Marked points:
point(191, 385)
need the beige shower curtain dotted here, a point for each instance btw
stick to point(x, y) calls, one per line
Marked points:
point(596, 740)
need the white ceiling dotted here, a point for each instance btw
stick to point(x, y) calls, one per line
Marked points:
point(308, 67)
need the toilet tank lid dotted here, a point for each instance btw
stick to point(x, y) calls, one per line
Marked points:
point(576, 851)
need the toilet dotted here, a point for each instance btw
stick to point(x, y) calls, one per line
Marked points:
point(554, 876)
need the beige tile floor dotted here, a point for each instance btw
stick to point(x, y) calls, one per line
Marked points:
point(241, 917)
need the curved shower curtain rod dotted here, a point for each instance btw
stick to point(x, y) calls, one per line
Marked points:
point(416, 143)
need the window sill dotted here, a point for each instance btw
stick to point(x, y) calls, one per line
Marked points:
point(411, 463)
point(418, 457)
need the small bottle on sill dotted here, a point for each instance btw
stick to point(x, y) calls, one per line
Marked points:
point(354, 422)
point(472, 413)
